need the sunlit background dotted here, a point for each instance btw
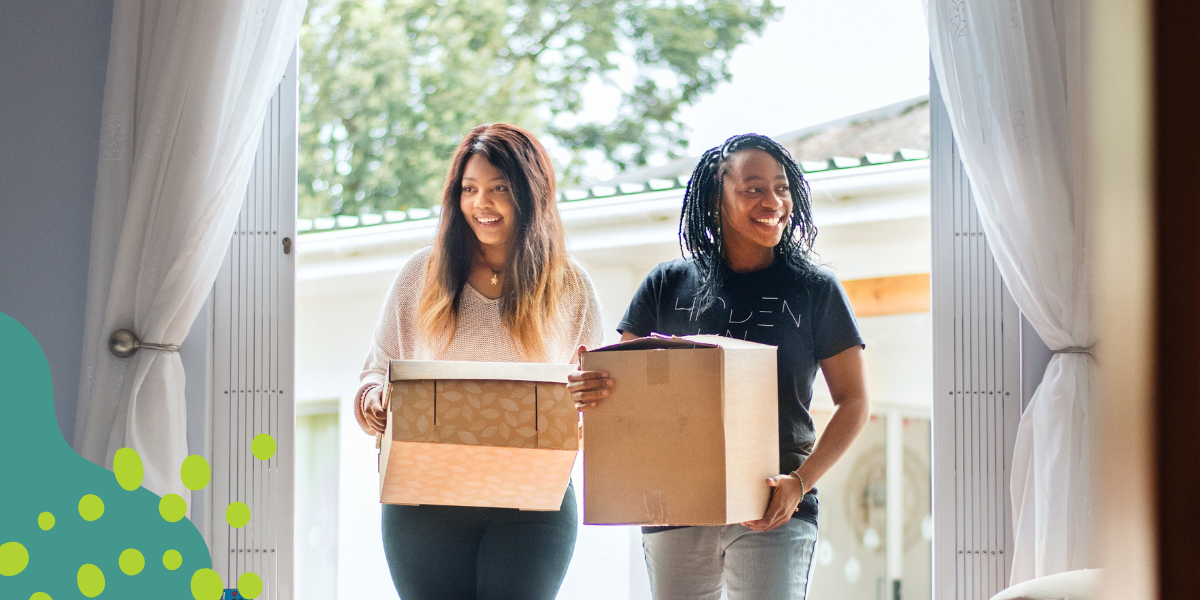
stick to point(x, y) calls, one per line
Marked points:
point(813, 65)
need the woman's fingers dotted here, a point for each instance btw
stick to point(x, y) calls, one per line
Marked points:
point(591, 396)
point(589, 384)
point(586, 400)
point(779, 510)
point(379, 425)
point(767, 523)
point(588, 387)
point(373, 411)
point(582, 376)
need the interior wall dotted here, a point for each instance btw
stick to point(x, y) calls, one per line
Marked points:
point(53, 57)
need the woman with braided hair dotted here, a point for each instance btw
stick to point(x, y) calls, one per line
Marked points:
point(748, 234)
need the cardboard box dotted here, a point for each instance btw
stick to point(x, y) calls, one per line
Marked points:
point(688, 436)
point(478, 434)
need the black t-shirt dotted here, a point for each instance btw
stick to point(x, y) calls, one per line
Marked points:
point(808, 319)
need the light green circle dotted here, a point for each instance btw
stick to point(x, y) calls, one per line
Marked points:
point(195, 472)
point(132, 562)
point(207, 585)
point(40, 596)
point(91, 507)
point(238, 514)
point(46, 521)
point(91, 580)
point(13, 558)
point(263, 446)
point(127, 466)
point(172, 507)
point(249, 585)
point(172, 559)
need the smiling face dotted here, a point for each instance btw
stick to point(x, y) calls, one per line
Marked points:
point(756, 204)
point(487, 203)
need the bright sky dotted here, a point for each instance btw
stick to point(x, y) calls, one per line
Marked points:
point(823, 60)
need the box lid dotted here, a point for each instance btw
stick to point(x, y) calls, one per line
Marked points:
point(405, 370)
point(658, 341)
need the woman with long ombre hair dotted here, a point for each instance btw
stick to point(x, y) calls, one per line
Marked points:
point(496, 285)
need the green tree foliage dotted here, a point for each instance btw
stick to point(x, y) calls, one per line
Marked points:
point(388, 87)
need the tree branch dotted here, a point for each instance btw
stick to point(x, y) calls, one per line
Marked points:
point(541, 44)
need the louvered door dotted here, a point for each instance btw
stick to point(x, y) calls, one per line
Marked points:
point(253, 302)
point(977, 386)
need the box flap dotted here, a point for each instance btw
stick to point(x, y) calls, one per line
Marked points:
point(658, 341)
point(403, 370)
point(724, 342)
point(655, 341)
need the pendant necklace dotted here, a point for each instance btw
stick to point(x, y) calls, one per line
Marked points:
point(495, 271)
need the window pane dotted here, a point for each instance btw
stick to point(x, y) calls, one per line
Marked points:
point(316, 506)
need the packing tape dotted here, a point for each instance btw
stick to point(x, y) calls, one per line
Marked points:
point(656, 507)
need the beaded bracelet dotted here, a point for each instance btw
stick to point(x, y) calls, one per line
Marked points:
point(796, 474)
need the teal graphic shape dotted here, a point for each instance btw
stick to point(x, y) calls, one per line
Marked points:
point(42, 474)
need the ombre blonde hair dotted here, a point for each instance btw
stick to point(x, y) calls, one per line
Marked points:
point(537, 270)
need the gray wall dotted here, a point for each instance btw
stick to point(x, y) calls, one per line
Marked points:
point(53, 56)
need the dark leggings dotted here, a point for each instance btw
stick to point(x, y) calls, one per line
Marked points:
point(458, 552)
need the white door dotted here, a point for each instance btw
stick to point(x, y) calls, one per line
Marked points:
point(977, 385)
point(253, 358)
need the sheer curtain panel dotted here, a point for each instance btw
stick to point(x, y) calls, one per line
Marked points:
point(1010, 75)
point(188, 85)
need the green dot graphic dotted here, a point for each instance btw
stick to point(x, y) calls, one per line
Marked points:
point(172, 507)
point(91, 580)
point(238, 514)
point(127, 466)
point(172, 559)
point(91, 507)
point(263, 446)
point(67, 524)
point(13, 558)
point(249, 585)
point(195, 472)
point(207, 585)
point(132, 562)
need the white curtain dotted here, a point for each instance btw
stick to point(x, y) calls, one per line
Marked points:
point(188, 85)
point(1010, 75)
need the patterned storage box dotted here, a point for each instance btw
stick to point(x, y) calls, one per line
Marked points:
point(478, 434)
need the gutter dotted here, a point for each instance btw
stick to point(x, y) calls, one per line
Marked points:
point(834, 194)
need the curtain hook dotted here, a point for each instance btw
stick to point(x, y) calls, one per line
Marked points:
point(124, 343)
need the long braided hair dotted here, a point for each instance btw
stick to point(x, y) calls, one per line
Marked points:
point(700, 221)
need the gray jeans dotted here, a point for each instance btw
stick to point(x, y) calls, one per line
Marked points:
point(699, 563)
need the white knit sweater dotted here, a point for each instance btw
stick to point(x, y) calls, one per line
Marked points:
point(481, 334)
